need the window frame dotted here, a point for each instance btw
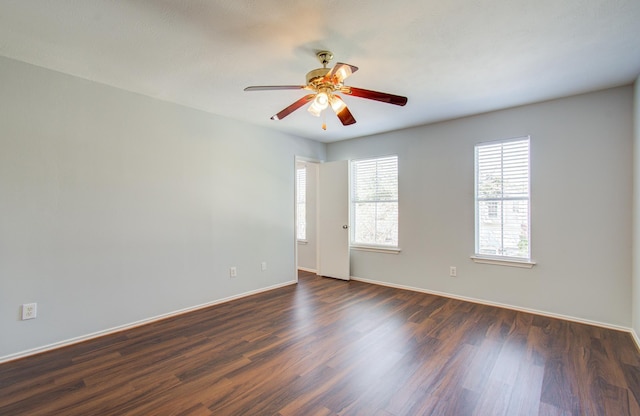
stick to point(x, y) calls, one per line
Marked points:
point(368, 246)
point(500, 259)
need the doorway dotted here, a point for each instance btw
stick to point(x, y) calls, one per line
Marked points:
point(306, 215)
point(322, 218)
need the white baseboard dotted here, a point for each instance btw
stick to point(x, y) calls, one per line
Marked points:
point(503, 305)
point(305, 269)
point(132, 325)
point(87, 337)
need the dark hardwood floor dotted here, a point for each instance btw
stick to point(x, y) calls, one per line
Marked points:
point(327, 347)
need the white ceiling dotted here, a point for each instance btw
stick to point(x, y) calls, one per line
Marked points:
point(450, 58)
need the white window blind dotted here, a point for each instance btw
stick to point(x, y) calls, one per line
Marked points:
point(301, 203)
point(374, 199)
point(502, 199)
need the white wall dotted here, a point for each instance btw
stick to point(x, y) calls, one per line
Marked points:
point(581, 167)
point(308, 251)
point(636, 213)
point(115, 207)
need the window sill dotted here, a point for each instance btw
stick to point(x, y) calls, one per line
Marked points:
point(377, 249)
point(303, 242)
point(524, 264)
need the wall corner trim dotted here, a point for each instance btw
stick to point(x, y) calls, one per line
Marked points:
point(636, 338)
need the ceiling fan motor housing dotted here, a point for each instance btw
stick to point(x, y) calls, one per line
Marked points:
point(316, 76)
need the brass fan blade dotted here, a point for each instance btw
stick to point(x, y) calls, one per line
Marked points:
point(341, 71)
point(274, 87)
point(293, 107)
point(375, 95)
point(342, 111)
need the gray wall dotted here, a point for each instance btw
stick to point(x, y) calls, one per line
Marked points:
point(116, 208)
point(581, 178)
point(636, 213)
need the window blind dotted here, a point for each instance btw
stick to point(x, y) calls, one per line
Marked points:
point(503, 199)
point(375, 201)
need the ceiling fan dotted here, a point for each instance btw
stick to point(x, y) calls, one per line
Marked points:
point(324, 83)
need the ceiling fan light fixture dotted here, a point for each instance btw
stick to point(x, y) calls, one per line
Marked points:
point(322, 100)
point(337, 104)
point(315, 109)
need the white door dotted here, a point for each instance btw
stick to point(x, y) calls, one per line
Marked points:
point(333, 220)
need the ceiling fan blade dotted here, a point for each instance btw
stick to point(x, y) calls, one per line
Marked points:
point(375, 95)
point(274, 87)
point(293, 107)
point(342, 111)
point(341, 71)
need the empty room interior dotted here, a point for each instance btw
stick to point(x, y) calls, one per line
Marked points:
point(320, 208)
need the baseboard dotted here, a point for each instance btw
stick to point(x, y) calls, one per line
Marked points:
point(132, 325)
point(98, 334)
point(504, 306)
point(305, 269)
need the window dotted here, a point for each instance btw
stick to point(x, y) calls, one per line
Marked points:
point(374, 202)
point(301, 202)
point(502, 199)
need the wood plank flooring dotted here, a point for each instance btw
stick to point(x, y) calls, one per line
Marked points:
point(328, 347)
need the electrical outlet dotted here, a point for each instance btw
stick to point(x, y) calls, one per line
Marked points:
point(29, 311)
point(233, 271)
point(453, 272)
point(264, 266)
